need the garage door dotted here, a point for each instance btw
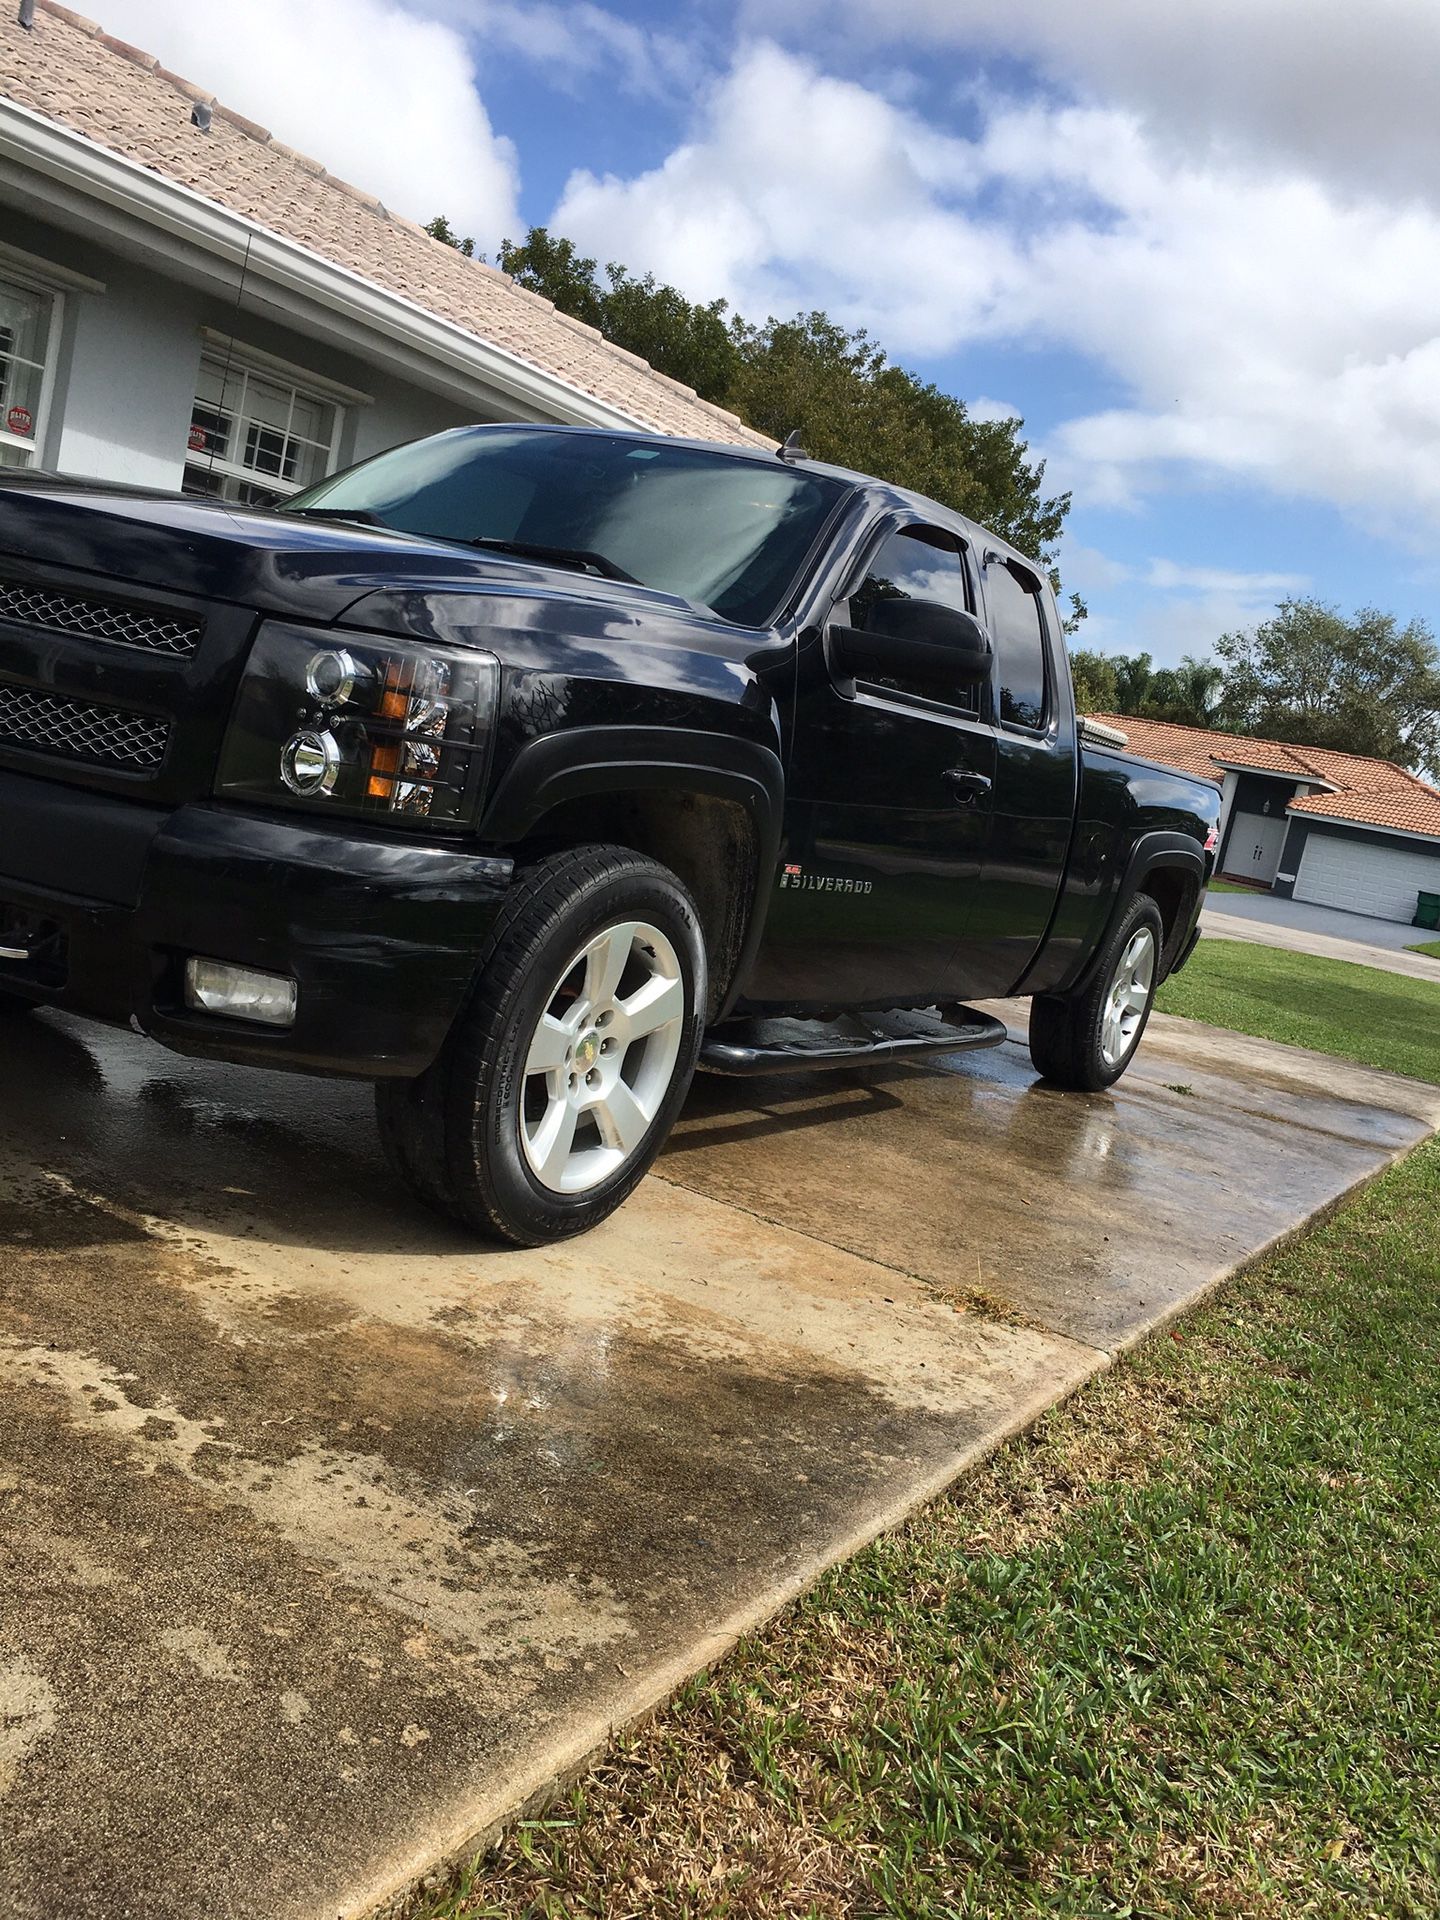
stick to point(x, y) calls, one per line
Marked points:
point(1364, 876)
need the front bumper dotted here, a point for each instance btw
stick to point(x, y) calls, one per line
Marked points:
point(109, 899)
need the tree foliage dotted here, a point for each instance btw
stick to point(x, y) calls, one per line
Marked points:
point(440, 229)
point(693, 344)
point(1308, 675)
point(1189, 695)
point(1096, 687)
point(1362, 685)
point(836, 386)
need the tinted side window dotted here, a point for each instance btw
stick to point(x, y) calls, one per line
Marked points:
point(918, 563)
point(1017, 632)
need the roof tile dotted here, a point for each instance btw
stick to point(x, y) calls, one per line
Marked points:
point(1373, 793)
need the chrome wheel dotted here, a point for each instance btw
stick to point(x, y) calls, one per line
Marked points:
point(602, 1057)
point(1130, 988)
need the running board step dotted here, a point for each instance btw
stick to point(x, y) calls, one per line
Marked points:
point(855, 1040)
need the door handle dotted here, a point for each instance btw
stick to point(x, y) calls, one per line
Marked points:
point(968, 788)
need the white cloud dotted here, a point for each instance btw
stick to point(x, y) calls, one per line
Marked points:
point(1088, 570)
point(1263, 325)
point(1170, 626)
point(1167, 608)
point(1347, 91)
point(982, 407)
point(1171, 577)
point(578, 41)
point(385, 99)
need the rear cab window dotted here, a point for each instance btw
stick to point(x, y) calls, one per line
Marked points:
point(1016, 605)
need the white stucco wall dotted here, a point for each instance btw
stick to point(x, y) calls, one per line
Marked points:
point(134, 357)
point(129, 356)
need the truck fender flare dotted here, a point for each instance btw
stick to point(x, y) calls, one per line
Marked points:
point(1150, 853)
point(586, 761)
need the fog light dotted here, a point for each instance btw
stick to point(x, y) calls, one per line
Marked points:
point(214, 986)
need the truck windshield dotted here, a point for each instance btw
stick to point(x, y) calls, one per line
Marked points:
point(729, 533)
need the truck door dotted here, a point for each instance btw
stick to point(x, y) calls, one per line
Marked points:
point(1036, 768)
point(888, 809)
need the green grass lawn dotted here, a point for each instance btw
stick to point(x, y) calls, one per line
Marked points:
point(1229, 886)
point(1360, 1013)
point(1432, 947)
point(1172, 1653)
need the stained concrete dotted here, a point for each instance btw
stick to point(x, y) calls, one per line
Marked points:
point(328, 1537)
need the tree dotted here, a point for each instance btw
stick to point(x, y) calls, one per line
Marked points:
point(852, 407)
point(1133, 674)
point(1095, 686)
point(1359, 685)
point(555, 269)
point(695, 345)
point(440, 229)
point(1190, 695)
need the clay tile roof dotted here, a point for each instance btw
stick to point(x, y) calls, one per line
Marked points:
point(68, 69)
point(1373, 793)
point(1417, 811)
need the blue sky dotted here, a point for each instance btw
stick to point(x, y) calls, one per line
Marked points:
point(1198, 250)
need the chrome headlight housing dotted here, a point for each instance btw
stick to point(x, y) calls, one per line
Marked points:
point(391, 730)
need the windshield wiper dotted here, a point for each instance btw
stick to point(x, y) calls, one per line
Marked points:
point(565, 556)
point(362, 516)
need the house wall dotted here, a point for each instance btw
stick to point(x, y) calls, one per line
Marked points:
point(128, 359)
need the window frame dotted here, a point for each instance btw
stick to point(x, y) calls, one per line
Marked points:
point(982, 714)
point(231, 359)
point(30, 283)
point(1014, 565)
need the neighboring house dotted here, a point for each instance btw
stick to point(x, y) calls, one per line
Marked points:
point(1338, 829)
point(210, 308)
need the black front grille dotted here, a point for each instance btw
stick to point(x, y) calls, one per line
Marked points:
point(105, 620)
point(73, 730)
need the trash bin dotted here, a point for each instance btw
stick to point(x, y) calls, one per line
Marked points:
point(1427, 912)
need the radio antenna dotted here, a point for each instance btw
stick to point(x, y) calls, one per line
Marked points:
point(230, 342)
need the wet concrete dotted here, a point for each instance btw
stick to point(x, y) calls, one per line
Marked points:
point(328, 1537)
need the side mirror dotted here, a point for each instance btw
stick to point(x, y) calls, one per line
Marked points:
point(920, 640)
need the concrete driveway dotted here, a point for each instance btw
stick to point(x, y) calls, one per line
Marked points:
point(329, 1537)
point(1298, 927)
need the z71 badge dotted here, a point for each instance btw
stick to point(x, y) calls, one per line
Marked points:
point(822, 882)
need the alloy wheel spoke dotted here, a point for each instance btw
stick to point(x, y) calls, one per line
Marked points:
point(605, 963)
point(621, 1118)
point(551, 1142)
point(550, 1046)
point(654, 1005)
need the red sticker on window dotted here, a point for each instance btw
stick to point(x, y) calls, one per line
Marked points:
point(199, 440)
point(21, 420)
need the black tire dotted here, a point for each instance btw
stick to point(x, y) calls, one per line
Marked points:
point(12, 1006)
point(1067, 1032)
point(454, 1135)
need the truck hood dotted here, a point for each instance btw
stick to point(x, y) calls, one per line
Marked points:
point(276, 563)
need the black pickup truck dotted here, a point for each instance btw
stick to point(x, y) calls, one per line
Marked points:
point(520, 768)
